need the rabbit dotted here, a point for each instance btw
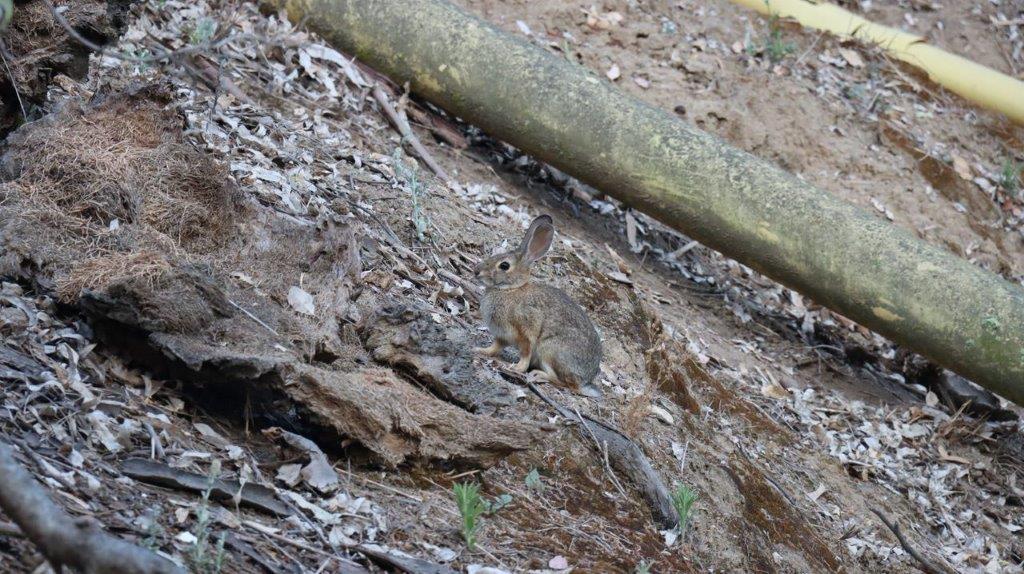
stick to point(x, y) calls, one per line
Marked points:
point(551, 331)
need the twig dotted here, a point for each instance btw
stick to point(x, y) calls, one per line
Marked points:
point(251, 494)
point(253, 317)
point(390, 489)
point(11, 529)
point(286, 540)
point(14, 84)
point(924, 564)
point(682, 250)
point(402, 125)
point(602, 447)
point(621, 452)
point(808, 50)
point(79, 544)
point(45, 466)
point(156, 447)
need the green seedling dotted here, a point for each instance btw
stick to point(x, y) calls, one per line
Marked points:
point(683, 498)
point(471, 507)
point(205, 559)
point(1009, 177)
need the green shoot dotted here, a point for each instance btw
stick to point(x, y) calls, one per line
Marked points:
point(1009, 177)
point(471, 506)
point(683, 498)
point(202, 560)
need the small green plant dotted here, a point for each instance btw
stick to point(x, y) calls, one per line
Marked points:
point(471, 506)
point(497, 504)
point(203, 31)
point(1009, 177)
point(683, 498)
point(533, 482)
point(411, 175)
point(643, 568)
point(203, 559)
point(775, 47)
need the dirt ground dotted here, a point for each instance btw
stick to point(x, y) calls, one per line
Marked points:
point(791, 423)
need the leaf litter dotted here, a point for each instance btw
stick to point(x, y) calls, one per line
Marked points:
point(63, 393)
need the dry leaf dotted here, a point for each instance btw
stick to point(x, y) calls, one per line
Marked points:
point(619, 261)
point(814, 496)
point(613, 73)
point(290, 474)
point(774, 391)
point(301, 301)
point(851, 57)
point(642, 82)
point(962, 168)
point(943, 455)
point(662, 415)
point(620, 277)
point(558, 563)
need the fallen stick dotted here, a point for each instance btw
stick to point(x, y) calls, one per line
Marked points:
point(79, 544)
point(923, 563)
point(12, 530)
point(409, 564)
point(402, 125)
point(623, 454)
point(252, 495)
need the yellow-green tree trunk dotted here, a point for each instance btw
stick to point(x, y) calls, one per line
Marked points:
point(837, 254)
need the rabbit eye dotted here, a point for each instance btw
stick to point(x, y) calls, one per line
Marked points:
point(504, 266)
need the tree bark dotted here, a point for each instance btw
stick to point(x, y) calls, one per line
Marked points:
point(876, 273)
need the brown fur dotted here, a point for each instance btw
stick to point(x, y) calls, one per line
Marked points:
point(551, 331)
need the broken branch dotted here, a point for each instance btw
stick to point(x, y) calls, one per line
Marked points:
point(623, 454)
point(925, 565)
point(77, 543)
point(402, 125)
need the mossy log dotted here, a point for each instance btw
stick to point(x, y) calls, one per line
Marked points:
point(839, 255)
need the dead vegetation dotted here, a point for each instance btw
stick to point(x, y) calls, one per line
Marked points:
point(267, 271)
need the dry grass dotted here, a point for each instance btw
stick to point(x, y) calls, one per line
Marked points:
point(93, 273)
point(113, 193)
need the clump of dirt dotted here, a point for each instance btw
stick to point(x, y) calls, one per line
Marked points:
point(108, 192)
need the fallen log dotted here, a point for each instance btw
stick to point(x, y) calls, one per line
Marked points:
point(77, 543)
point(841, 256)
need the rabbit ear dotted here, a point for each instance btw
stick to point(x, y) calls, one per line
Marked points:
point(538, 239)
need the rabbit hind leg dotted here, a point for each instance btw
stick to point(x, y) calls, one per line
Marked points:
point(493, 350)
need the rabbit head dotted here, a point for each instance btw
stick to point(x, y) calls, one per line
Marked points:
point(512, 269)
